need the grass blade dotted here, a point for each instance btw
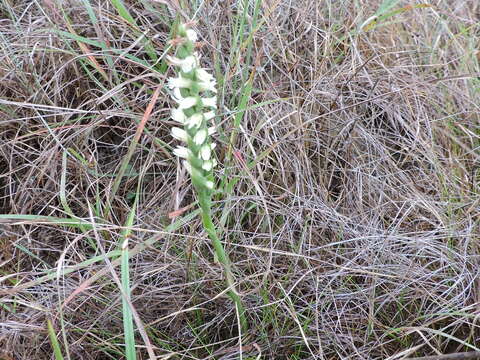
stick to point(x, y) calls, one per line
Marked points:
point(126, 311)
point(57, 351)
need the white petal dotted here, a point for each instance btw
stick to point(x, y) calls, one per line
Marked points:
point(188, 102)
point(179, 82)
point(174, 60)
point(203, 75)
point(194, 121)
point(181, 151)
point(187, 166)
point(213, 146)
point(192, 35)
point(200, 137)
point(189, 63)
point(179, 134)
point(211, 130)
point(178, 115)
point(208, 86)
point(209, 184)
point(177, 94)
point(211, 102)
point(209, 115)
point(207, 166)
point(205, 152)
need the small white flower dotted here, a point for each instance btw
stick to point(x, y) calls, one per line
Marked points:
point(187, 103)
point(192, 35)
point(181, 151)
point(178, 115)
point(213, 146)
point(204, 76)
point(206, 152)
point(209, 115)
point(211, 102)
point(187, 64)
point(200, 137)
point(187, 166)
point(194, 121)
point(209, 184)
point(174, 60)
point(207, 165)
point(206, 81)
point(179, 82)
point(211, 130)
point(177, 94)
point(208, 86)
point(179, 134)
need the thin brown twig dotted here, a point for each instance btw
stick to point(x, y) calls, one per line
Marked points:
point(455, 356)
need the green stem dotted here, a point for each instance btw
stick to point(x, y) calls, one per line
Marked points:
point(204, 200)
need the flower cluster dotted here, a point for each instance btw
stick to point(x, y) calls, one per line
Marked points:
point(194, 92)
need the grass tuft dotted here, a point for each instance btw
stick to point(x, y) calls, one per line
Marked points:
point(348, 137)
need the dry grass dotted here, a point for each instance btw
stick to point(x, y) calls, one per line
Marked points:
point(350, 205)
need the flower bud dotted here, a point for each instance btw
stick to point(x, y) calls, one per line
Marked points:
point(179, 134)
point(194, 121)
point(210, 102)
point(206, 152)
point(191, 35)
point(200, 137)
point(181, 152)
point(178, 115)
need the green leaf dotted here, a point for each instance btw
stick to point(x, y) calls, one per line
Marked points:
point(57, 352)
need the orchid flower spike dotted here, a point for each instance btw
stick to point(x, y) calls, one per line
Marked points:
point(194, 90)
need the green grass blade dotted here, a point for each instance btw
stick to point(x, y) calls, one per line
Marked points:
point(123, 12)
point(57, 352)
point(125, 278)
point(40, 219)
point(126, 311)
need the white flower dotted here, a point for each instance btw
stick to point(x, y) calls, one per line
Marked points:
point(179, 82)
point(194, 121)
point(188, 102)
point(200, 137)
point(182, 152)
point(213, 146)
point(211, 130)
point(187, 166)
point(178, 115)
point(179, 134)
point(177, 94)
point(183, 102)
point(207, 165)
point(211, 102)
point(208, 86)
point(205, 152)
point(204, 76)
point(187, 64)
point(192, 35)
point(206, 81)
point(209, 184)
point(209, 115)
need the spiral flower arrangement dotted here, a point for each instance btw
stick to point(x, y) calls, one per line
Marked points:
point(194, 92)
